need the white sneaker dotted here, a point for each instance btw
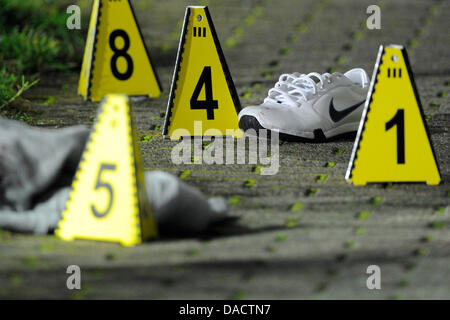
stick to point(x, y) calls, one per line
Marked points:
point(311, 106)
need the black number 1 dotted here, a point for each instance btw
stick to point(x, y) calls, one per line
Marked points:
point(107, 186)
point(399, 121)
point(209, 104)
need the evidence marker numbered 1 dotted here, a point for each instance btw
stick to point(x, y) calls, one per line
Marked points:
point(393, 142)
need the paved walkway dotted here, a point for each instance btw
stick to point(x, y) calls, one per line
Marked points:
point(304, 233)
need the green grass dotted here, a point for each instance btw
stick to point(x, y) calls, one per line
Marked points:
point(311, 192)
point(250, 183)
point(193, 252)
point(238, 295)
point(292, 222)
point(234, 200)
point(349, 244)
point(440, 210)
point(376, 201)
point(280, 237)
point(420, 252)
point(185, 174)
point(297, 207)
point(31, 261)
point(146, 137)
point(363, 215)
point(437, 225)
point(15, 279)
point(331, 164)
point(34, 39)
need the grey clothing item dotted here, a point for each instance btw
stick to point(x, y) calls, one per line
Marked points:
point(33, 159)
point(37, 167)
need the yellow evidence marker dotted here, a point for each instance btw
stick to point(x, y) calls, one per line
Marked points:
point(202, 90)
point(393, 143)
point(116, 59)
point(108, 201)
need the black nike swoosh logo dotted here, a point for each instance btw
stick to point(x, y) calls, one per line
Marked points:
point(339, 115)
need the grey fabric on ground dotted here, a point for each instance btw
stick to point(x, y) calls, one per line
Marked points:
point(34, 159)
point(36, 170)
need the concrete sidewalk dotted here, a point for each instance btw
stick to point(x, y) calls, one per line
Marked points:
point(304, 233)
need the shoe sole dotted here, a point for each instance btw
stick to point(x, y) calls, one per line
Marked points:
point(249, 122)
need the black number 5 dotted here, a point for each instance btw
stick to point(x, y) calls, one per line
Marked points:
point(107, 186)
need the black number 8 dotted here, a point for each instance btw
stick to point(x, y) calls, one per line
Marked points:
point(120, 53)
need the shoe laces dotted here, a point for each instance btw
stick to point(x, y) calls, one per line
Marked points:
point(294, 88)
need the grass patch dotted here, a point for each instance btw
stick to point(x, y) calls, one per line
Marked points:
point(15, 279)
point(146, 137)
point(428, 238)
point(280, 237)
point(357, 35)
point(284, 51)
point(257, 169)
point(403, 283)
point(250, 183)
point(360, 231)
point(420, 252)
point(311, 192)
point(437, 225)
point(297, 207)
point(376, 201)
point(363, 215)
point(434, 104)
point(185, 174)
point(332, 70)
point(341, 60)
point(292, 222)
point(81, 294)
point(413, 43)
point(238, 295)
point(349, 244)
point(247, 94)
point(330, 164)
point(321, 177)
point(440, 210)
point(234, 200)
point(31, 261)
point(193, 252)
point(34, 39)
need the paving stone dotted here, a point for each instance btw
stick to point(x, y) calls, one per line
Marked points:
point(303, 233)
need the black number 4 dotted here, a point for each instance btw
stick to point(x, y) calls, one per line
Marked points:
point(209, 104)
point(399, 121)
point(102, 184)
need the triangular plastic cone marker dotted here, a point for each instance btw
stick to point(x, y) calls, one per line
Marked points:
point(116, 59)
point(108, 200)
point(393, 143)
point(202, 89)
